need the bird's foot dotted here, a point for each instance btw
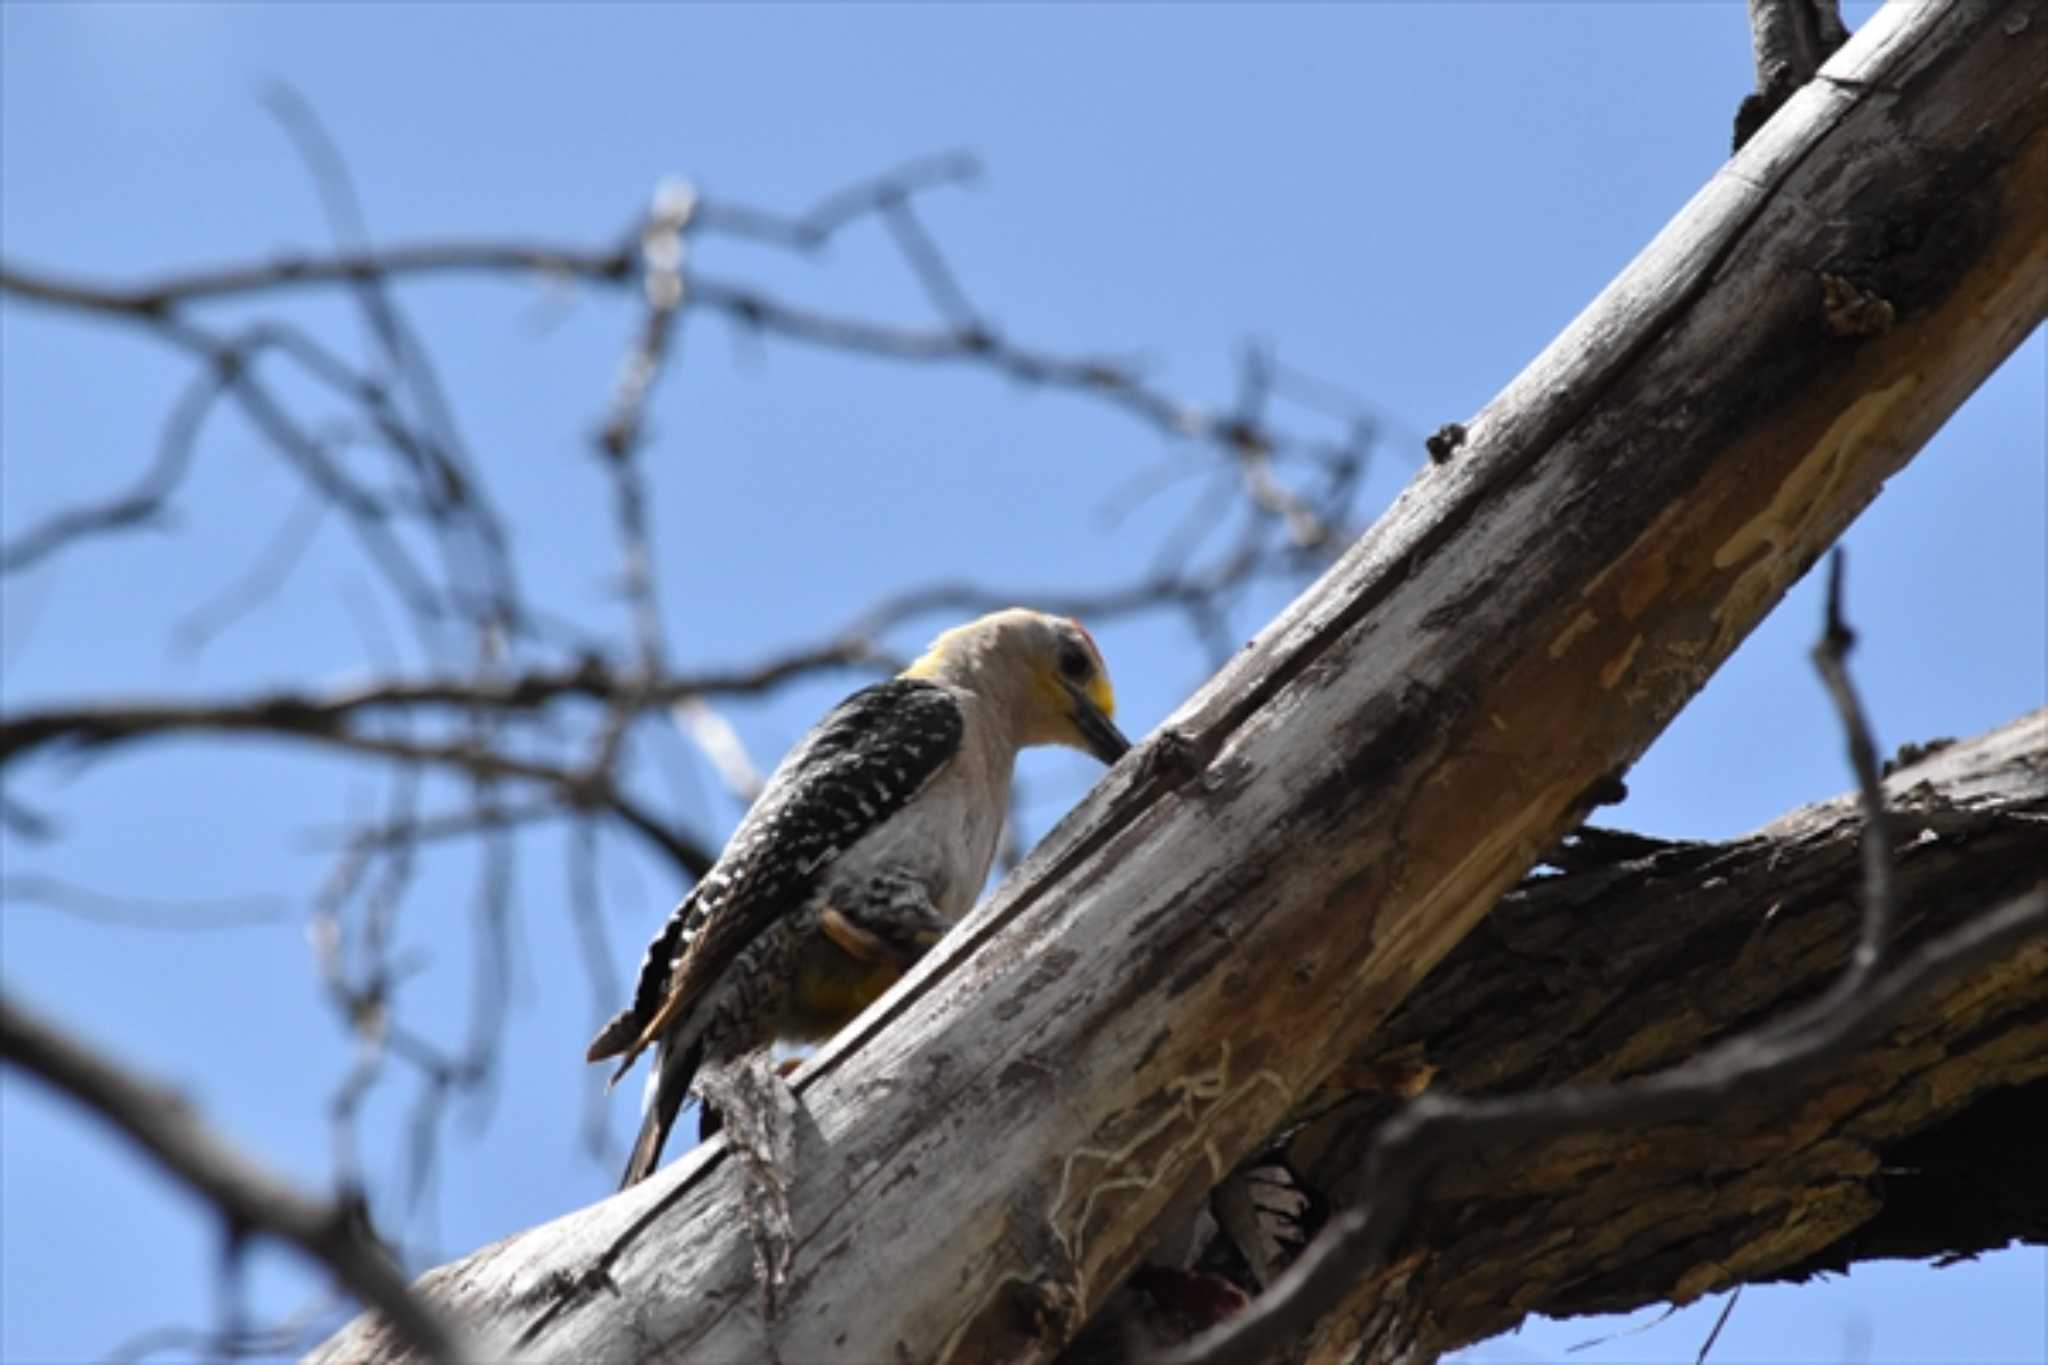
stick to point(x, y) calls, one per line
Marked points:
point(888, 918)
point(899, 939)
point(759, 1123)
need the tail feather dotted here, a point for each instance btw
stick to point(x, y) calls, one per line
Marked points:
point(616, 1036)
point(674, 1070)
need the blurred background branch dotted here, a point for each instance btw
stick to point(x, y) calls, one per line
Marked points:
point(383, 532)
point(532, 720)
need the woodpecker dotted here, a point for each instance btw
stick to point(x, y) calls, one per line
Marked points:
point(869, 840)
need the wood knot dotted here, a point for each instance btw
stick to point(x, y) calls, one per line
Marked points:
point(1852, 312)
point(1445, 442)
point(1911, 753)
point(1173, 759)
point(1605, 790)
point(1048, 1308)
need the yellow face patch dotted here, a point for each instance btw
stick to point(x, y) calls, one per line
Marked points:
point(1059, 693)
point(1098, 691)
point(1101, 693)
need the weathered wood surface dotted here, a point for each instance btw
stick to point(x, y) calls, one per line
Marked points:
point(1922, 1147)
point(1234, 910)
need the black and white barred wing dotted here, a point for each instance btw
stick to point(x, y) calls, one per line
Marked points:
point(865, 761)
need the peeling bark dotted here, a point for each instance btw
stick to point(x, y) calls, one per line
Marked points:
point(1929, 1145)
point(986, 1154)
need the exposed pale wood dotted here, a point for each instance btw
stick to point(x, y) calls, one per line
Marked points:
point(1233, 911)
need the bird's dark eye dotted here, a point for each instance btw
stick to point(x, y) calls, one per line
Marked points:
point(1075, 664)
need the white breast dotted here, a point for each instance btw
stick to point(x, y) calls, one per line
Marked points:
point(948, 836)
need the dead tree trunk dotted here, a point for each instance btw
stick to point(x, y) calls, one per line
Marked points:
point(1647, 952)
point(1237, 909)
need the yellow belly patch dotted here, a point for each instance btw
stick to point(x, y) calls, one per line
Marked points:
point(830, 988)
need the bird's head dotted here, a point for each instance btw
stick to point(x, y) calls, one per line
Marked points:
point(1044, 671)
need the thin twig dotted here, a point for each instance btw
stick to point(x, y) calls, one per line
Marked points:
point(1830, 659)
point(940, 285)
point(1434, 1129)
point(1720, 1321)
point(326, 726)
point(814, 227)
point(664, 246)
point(248, 1198)
point(470, 531)
point(510, 690)
point(1786, 1055)
point(144, 504)
point(586, 906)
point(270, 570)
point(609, 265)
point(427, 829)
point(137, 912)
point(963, 340)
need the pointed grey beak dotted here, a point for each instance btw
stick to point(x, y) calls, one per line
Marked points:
point(1105, 741)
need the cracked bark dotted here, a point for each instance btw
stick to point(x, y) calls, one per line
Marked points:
point(989, 1151)
point(1927, 1146)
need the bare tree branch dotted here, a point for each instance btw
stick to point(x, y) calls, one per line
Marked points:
point(654, 254)
point(271, 569)
point(140, 912)
point(1781, 1057)
point(1645, 953)
point(1429, 720)
point(424, 520)
point(816, 226)
point(663, 244)
point(1436, 1129)
point(613, 265)
point(325, 723)
point(1880, 898)
point(248, 1198)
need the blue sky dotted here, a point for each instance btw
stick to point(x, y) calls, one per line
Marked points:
point(1408, 200)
